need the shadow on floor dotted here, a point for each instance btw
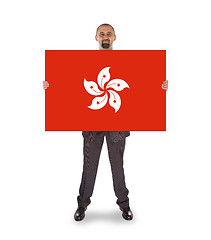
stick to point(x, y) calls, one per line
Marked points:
point(104, 216)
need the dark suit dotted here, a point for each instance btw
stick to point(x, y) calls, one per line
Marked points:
point(93, 142)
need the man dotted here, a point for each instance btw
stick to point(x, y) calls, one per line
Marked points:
point(93, 142)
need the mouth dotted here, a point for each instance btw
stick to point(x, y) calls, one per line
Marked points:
point(105, 45)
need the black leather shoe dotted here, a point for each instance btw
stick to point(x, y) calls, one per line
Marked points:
point(79, 214)
point(127, 213)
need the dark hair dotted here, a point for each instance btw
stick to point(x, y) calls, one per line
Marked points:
point(105, 24)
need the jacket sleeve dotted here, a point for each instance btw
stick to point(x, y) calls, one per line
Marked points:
point(84, 133)
point(124, 134)
point(127, 133)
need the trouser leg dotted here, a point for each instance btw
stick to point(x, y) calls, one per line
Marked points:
point(116, 151)
point(91, 150)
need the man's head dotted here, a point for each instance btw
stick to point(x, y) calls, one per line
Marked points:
point(105, 36)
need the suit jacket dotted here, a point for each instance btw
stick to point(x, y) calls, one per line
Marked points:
point(115, 135)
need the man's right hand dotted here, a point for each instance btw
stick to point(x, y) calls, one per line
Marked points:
point(45, 85)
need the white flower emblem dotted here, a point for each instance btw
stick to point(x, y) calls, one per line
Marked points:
point(108, 92)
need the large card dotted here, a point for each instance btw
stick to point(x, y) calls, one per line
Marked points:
point(116, 90)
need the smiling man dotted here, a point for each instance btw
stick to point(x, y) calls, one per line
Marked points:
point(93, 142)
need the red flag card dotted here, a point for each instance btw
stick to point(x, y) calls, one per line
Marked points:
point(116, 90)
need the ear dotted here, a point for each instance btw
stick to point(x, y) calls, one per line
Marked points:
point(114, 37)
point(96, 38)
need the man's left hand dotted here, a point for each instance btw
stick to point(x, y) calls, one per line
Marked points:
point(165, 85)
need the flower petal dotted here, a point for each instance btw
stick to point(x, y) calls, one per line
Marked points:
point(103, 77)
point(99, 102)
point(92, 88)
point(114, 100)
point(117, 84)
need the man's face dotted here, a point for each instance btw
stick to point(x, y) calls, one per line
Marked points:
point(105, 36)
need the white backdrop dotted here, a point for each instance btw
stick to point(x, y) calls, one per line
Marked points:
point(167, 173)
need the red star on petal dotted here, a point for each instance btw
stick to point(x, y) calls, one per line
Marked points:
point(91, 87)
point(104, 76)
point(114, 101)
point(118, 85)
point(98, 102)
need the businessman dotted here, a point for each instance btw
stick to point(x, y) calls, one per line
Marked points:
point(93, 142)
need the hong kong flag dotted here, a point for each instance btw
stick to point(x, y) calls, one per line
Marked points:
point(93, 90)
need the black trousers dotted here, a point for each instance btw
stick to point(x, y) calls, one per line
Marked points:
point(92, 150)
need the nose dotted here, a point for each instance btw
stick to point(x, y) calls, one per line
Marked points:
point(106, 36)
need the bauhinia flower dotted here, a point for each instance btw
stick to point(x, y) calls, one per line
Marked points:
point(106, 89)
